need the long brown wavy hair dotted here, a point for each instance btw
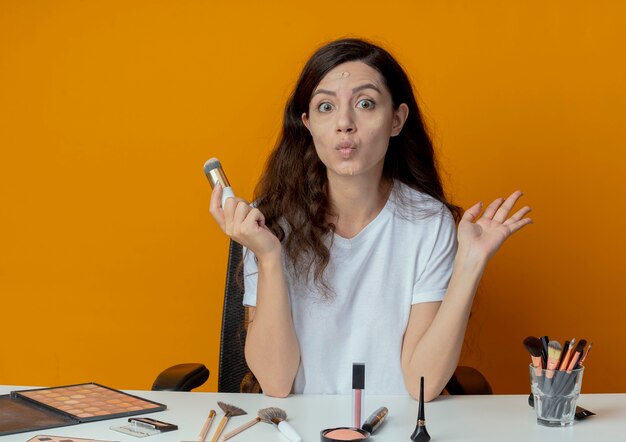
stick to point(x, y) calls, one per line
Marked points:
point(293, 190)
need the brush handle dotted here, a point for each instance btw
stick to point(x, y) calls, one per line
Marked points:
point(220, 428)
point(206, 426)
point(238, 430)
point(289, 431)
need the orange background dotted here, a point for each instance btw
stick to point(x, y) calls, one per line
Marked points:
point(110, 266)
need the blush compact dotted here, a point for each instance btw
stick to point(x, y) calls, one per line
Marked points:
point(344, 434)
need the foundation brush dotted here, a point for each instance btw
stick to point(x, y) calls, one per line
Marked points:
point(229, 411)
point(278, 417)
point(554, 356)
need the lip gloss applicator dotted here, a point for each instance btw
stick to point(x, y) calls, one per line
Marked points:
point(354, 433)
point(358, 385)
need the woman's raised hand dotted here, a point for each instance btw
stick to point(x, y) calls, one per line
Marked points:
point(243, 223)
point(481, 236)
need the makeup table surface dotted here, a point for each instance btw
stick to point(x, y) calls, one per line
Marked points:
point(449, 418)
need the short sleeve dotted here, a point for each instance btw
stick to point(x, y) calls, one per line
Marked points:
point(250, 277)
point(436, 263)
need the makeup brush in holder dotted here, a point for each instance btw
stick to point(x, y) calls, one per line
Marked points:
point(535, 348)
point(229, 411)
point(278, 417)
point(420, 434)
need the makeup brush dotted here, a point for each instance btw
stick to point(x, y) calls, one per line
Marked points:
point(568, 381)
point(214, 172)
point(560, 376)
point(533, 345)
point(580, 363)
point(568, 350)
point(206, 426)
point(535, 348)
point(229, 411)
point(576, 356)
point(564, 350)
point(277, 417)
point(420, 434)
point(240, 429)
point(544, 349)
point(554, 355)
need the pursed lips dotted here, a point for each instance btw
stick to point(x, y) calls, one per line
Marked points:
point(346, 149)
point(345, 145)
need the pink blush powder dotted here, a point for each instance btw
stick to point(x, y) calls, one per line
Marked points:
point(344, 434)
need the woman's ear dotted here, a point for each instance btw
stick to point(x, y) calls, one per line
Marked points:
point(305, 120)
point(399, 117)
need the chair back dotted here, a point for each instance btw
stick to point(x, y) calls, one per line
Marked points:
point(232, 365)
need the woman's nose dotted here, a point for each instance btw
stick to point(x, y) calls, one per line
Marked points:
point(345, 122)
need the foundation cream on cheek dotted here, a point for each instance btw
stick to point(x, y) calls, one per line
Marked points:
point(344, 434)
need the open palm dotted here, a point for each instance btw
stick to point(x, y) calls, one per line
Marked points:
point(484, 235)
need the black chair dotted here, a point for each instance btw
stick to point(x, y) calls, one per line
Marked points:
point(234, 374)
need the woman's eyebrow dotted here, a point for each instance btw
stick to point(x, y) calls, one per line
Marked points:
point(354, 91)
point(366, 86)
point(323, 91)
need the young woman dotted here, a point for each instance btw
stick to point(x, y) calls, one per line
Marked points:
point(352, 252)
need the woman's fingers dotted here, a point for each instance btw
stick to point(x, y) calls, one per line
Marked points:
point(471, 213)
point(215, 205)
point(242, 209)
point(253, 221)
point(505, 207)
point(230, 208)
point(515, 226)
point(521, 213)
point(242, 223)
point(492, 208)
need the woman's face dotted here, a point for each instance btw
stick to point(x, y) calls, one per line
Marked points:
point(351, 118)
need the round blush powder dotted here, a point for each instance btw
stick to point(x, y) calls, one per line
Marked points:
point(344, 434)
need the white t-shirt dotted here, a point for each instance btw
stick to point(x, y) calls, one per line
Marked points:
point(404, 256)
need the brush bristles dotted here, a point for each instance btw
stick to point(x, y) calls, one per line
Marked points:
point(533, 345)
point(554, 350)
point(272, 415)
point(211, 164)
point(230, 410)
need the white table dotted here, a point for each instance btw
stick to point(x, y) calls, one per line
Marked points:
point(449, 418)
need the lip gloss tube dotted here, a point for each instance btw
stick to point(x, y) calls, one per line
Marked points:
point(358, 385)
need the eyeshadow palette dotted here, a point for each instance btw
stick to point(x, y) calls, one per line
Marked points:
point(44, 438)
point(28, 410)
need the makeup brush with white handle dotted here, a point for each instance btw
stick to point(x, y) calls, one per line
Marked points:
point(214, 172)
point(277, 416)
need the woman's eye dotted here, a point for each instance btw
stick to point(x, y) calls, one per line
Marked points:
point(325, 107)
point(365, 104)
